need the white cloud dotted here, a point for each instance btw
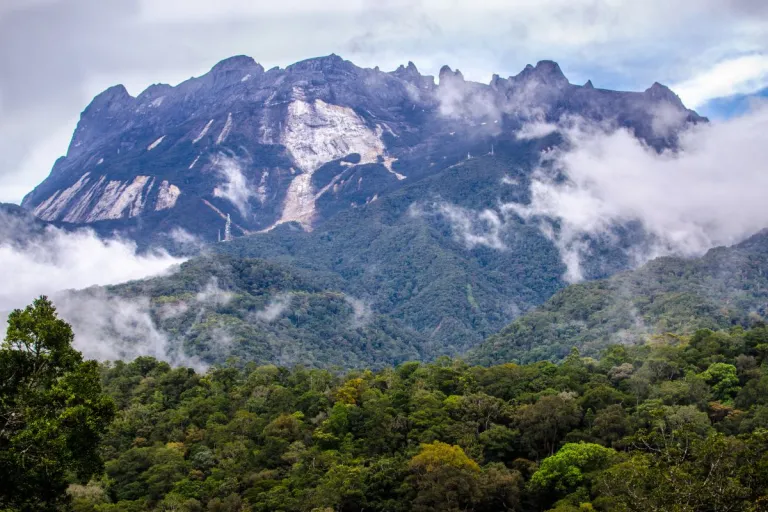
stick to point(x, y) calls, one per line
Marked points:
point(361, 311)
point(710, 192)
point(112, 328)
point(746, 74)
point(64, 260)
point(235, 188)
point(275, 308)
point(106, 327)
point(471, 228)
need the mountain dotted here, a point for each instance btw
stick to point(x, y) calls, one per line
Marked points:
point(299, 144)
point(430, 259)
point(384, 187)
point(726, 287)
point(216, 307)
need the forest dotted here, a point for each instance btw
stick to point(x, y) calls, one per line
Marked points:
point(679, 423)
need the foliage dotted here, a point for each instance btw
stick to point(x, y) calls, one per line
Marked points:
point(52, 411)
point(639, 428)
point(726, 287)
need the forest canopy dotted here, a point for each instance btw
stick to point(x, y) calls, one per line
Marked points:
point(680, 423)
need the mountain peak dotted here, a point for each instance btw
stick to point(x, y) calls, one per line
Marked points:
point(589, 85)
point(547, 71)
point(115, 93)
point(446, 73)
point(661, 92)
point(410, 71)
point(236, 63)
point(324, 63)
point(550, 71)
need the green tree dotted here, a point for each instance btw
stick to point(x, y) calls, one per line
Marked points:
point(571, 468)
point(444, 477)
point(52, 410)
point(723, 379)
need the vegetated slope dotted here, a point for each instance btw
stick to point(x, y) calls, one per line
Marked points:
point(437, 265)
point(436, 255)
point(668, 426)
point(215, 308)
point(725, 287)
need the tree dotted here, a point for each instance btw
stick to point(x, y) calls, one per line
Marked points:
point(570, 468)
point(444, 477)
point(723, 379)
point(542, 425)
point(52, 410)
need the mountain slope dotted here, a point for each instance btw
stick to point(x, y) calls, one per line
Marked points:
point(215, 308)
point(726, 287)
point(275, 146)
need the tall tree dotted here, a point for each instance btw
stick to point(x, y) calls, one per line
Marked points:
point(52, 411)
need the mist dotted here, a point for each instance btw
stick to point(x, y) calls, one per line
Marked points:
point(709, 191)
point(110, 328)
point(55, 261)
point(235, 187)
point(275, 308)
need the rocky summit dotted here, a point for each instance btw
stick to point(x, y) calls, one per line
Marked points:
point(297, 145)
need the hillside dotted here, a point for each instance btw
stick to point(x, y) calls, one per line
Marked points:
point(676, 426)
point(217, 308)
point(725, 287)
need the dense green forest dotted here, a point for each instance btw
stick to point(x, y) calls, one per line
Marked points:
point(220, 307)
point(679, 423)
point(726, 287)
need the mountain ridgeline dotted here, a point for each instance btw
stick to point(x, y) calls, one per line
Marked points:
point(299, 144)
point(381, 190)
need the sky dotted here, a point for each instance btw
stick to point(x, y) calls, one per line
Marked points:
point(56, 55)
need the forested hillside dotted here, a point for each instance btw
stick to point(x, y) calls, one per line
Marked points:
point(675, 425)
point(726, 287)
point(248, 310)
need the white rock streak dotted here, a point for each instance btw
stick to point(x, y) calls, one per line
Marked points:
point(225, 131)
point(203, 132)
point(155, 144)
point(167, 195)
point(194, 162)
point(90, 201)
point(51, 207)
point(79, 210)
point(315, 134)
point(120, 200)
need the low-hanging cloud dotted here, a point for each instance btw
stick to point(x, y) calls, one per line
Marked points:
point(110, 328)
point(53, 261)
point(61, 260)
point(470, 227)
point(361, 311)
point(709, 191)
point(275, 308)
point(235, 187)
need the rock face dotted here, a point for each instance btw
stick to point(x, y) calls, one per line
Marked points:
point(266, 146)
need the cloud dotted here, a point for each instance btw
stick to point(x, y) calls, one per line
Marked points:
point(235, 188)
point(212, 295)
point(276, 307)
point(746, 74)
point(361, 312)
point(112, 328)
point(708, 192)
point(53, 261)
point(60, 260)
point(187, 243)
point(471, 228)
